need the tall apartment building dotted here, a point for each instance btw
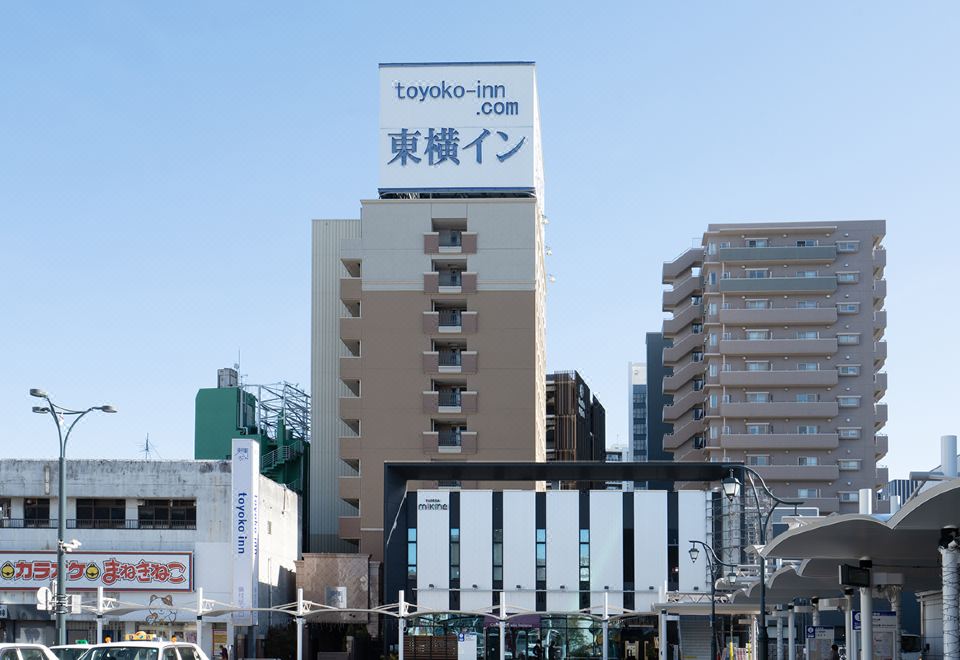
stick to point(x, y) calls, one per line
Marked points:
point(777, 345)
point(637, 423)
point(438, 342)
point(576, 420)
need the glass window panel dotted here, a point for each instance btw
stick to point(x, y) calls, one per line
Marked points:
point(584, 535)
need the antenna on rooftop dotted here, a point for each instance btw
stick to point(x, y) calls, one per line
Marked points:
point(149, 450)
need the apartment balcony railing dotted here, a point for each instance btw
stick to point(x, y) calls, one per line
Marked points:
point(450, 241)
point(682, 291)
point(778, 285)
point(879, 259)
point(880, 414)
point(450, 358)
point(348, 488)
point(684, 262)
point(351, 449)
point(881, 444)
point(785, 409)
point(879, 353)
point(779, 254)
point(682, 318)
point(28, 523)
point(96, 523)
point(682, 375)
point(779, 378)
point(350, 289)
point(779, 316)
point(449, 278)
point(350, 368)
point(879, 290)
point(798, 472)
point(778, 347)
point(748, 441)
point(880, 384)
point(449, 438)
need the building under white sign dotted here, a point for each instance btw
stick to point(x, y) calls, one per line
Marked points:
point(152, 533)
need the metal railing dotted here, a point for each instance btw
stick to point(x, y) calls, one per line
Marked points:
point(448, 398)
point(96, 523)
point(449, 358)
point(29, 523)
point(450, 237)
point(450, 317)
point(449, 278)
point(448, 438)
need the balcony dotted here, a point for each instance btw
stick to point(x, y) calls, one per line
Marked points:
point(824, 504)
point(686, 261)
point(681, 319)
point(350, 368)
point(778, 285)
point(879, 323)
point(350, 328)
point(449, 402)
point(349, 407)
point(449, 362)
point(350, 289)
point(349, 490)
point(682, 291)
point(682, 376)
point(449, 321)
point(879, 354)
point(883, 476)
point(349, 528)
point(881, 445)
point(449, 442)
point(879, 384)
point(777, 347)
point(673, 354)
point(879, 292)
point(784, 409)
point(779, 254)
point(779, 378)
point(682, 434)
point(351, 448)
point(879, 260)
point(798, 472)
point(28, 523)
point(450, 241)
point(680, 406)
point(779, 316)
point(779, 441)
point(879, 415)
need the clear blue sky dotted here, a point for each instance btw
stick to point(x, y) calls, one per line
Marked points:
point(160, 164)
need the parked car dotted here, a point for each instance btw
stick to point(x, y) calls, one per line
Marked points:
point(25, 652)
point(70, 651)
point(156, 650)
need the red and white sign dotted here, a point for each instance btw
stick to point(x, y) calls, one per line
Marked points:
point(115, 571)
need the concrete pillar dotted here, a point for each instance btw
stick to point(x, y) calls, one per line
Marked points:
point(951, 626)
point(401, 624)
point(866, 501)
point(779, 634)
point(663, 635)
point(866, 623)
point(815, 612)
point(791, 633)
point(848, 627)
point(893, 595)
point(948, 455)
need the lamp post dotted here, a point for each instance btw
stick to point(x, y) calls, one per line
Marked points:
point(731, 488)
point(714, 562)
point(59, 415)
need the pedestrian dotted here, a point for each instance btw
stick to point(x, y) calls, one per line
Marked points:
point(223, 653)
point(834, 652)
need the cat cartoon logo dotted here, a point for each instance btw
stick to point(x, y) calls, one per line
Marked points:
point(7, 571)
point(92, 571)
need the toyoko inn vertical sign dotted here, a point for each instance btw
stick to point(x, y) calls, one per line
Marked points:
point(245, 538)
point(473, 126)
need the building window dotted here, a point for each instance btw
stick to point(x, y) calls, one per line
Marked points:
point(727, 366)
point(761, 460)
point(712, 341)
point(758, 429)
point(808, 493)
point(712, 309)
point(807, 397)
point(807, 242)
point(848, 401)
point(696, 300)
point(756, 242)
point(758, 397)
point(808, 429)
point(757, 273)
point(758, 366)
point(497, 555)
point(808, 334)
point(848, 278)
point(849, 496)
point(848, 246)
point(541, 555)
point(698, 413)
point(849, 464)
point(412, 554)
point(711, 248)
point(697, 384)
point(696, 356)
point(807, 461)
point(712, 277)
point(848, 369)
point(454, 553)
point(584, 567)
point(696, 328)
point(808, 366)
point(848, 339)
point(167, 514)
point(712, 370)
point(808, 273)
point(724, 244)
point(36, 512)
point(807, 304)
point(757, 304)
point(848, 308)
point(5, 507)
point(714, 432)
point(849, 433)
point(758, 335)
point(101, 514)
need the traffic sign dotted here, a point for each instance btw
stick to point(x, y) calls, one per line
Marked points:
point(44, 598)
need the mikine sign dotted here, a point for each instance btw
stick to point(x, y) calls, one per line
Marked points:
point(459, 127)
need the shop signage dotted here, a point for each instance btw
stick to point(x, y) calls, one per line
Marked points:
point(116, 571)
point(245, 482)
point(472, 126)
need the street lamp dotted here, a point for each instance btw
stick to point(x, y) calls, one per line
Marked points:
point(59, 414)
point(715, 562)
point(731, 488)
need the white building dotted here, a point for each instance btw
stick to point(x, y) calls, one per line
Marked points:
point(152, 533)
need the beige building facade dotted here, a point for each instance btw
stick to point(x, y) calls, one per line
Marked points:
point(777, 355)
point(431, 349)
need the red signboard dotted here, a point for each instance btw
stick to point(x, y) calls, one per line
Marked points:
point(114, 571)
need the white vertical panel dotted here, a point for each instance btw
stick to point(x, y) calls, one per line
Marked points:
point(433, 549)
point(563, 550)
point(476, 549)
point(606, 548)
point(692, 525)
point(649, 546)
point(519, 548)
